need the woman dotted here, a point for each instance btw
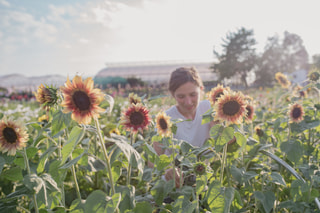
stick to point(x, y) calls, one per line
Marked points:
point(186, 87)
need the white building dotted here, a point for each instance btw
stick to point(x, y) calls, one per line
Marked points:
point(154, 72)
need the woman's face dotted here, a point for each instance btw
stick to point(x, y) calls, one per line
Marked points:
point(187, 97)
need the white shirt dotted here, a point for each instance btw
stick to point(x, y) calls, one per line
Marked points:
point(191, 131)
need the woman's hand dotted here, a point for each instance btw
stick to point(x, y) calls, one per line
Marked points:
point(169, 176)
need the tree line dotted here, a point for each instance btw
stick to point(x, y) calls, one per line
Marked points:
point(239, 57)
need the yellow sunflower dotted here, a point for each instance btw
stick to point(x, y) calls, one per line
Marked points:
point(135, 118)
point(282, 80)
point(231, 108)
point(114, 131)
point(12, 136)
point(164, 124)
point(134, 98)
point(250, 113)
point(81, 99)
point(296, 112)
point(46, 95)
point(216, 93)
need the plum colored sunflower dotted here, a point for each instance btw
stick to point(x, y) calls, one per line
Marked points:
point(82, 99)
point(135, 118)
point(300, 92)
point(250, 113)
point(282, 80)
point(47, 96)
point(164, 124)
point(296, 113)
point(134, 98)
point(216, 93)
point(12, 136)
point(231, 108)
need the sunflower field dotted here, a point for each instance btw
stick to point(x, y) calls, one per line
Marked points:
point(78, 149)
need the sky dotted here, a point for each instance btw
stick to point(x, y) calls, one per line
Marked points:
point(67, 37)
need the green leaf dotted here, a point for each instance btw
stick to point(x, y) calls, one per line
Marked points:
point(303, 125)
point(60, 121)
point(116, 170)
point(75, 136)
point(99, 202)
point(160, 190)
point(131, 154)
point(73, 161)
point(77, 206)
point(293, 149)
point(228, 197)
point(215, 197)
point(266, 198)
point(143, 207)
point(2, 163)
point(226, 135)
point(283, 163)
point(31, 151)
point(36, 184)
point(13, 174)
point(277, 179)
point(44, 158)
point(162, 162)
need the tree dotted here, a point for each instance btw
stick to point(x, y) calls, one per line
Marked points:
point(285, 56)
point(238, 55)
point(316, 61)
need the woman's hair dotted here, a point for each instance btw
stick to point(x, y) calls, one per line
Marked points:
point(183, 75)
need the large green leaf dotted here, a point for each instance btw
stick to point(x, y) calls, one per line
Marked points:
point(75, 136)
point(266, 198)
point(99, 202)
point(293, 149)
point(60, 121)
point(131, 154)
point(13, 174)
point(226, 135)
point(215, 197)
point(143, 207)
point(303, 125)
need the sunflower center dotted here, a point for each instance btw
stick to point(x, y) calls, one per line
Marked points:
point(248, 111)
point(81, 100)
point(10, 135)
point(218, 95)
point(283, 80)
point(163, 124)
point(231, 108)
point(136, 118)
point(296, 113)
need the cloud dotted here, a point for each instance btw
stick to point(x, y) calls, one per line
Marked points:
point(5, 3)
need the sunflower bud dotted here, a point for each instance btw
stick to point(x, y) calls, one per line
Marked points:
point(314, 75)
point(47, 96)
point(199, 168)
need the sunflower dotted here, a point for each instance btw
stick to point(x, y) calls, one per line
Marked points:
point(259, 131)
point(296, 112)
point(135, 118)
point(114, 131)
point(134, 99)
point(282, 80)
point(216, 93)
point(314, 75)
point(250, 113)
point(231, 108)
point(163, 124)
point(299, 92)
point(200, 168)
point(46, 96)
point(12, 136)
point(81, 99)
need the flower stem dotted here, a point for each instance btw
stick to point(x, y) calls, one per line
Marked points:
point(132, 140)
point(101, 139)
point(224, 157)
point(29, 173)
point(74, 175)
